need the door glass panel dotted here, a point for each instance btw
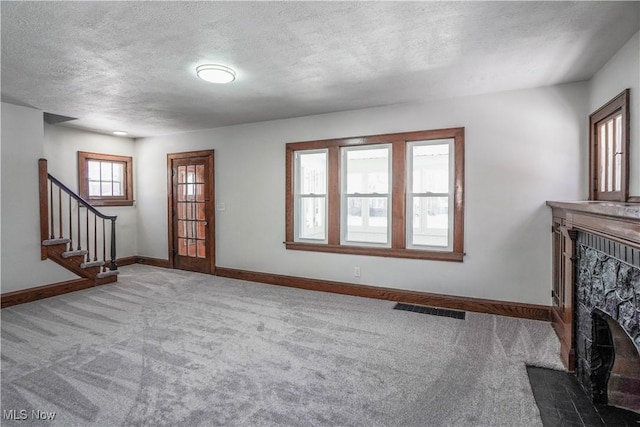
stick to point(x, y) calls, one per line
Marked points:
point(201, 230)
point(191, 211)
point(182, 192)
point(199, 193)
point(200, 211)
point(191, 177)
point(182, 247)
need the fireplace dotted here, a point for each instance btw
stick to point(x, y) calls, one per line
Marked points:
point(607, 320)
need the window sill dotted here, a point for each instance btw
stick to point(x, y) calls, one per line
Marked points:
point(383, 252)
point(110, 202)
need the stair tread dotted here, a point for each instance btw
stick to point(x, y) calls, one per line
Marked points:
point(107, 273)
point(69, 254)
point(92, 264)
point(51, 242)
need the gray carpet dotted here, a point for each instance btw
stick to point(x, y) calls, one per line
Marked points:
point(165, 347)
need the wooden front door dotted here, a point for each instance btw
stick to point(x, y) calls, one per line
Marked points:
point(191, 211)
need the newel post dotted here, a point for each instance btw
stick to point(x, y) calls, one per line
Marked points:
point(113, 265)
point(44, 205)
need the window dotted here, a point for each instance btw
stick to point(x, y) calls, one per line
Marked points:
point(609, 148)
point(311, 195)
point(365, 195)
point(105, 180)
point(429, 194)
point(397, 195)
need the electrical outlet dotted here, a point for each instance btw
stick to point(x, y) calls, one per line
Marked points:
point(356, 271)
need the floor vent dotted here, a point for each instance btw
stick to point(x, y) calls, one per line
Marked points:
point(431, 310)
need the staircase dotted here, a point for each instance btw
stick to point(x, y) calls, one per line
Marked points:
point(74, 233)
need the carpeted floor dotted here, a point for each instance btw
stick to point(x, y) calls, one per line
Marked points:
point(166, 347)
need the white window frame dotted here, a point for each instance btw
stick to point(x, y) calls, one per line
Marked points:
point(344, 196)
point(298, 197)
point(410, 194)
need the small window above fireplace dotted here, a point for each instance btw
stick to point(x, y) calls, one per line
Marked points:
point(609, 130)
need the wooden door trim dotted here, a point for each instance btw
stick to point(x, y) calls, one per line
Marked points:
point(210, 155)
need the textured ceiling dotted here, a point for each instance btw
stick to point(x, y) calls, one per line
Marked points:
point(130, 65)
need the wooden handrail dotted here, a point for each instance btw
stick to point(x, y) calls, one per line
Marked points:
point(79, 199)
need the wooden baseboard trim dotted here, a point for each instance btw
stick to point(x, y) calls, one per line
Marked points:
point(154, 262)
point(502, 308)
point(130, 260)
point(33, 294)
point(125, 261)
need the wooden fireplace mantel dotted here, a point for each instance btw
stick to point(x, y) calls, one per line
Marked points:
point(618, 223)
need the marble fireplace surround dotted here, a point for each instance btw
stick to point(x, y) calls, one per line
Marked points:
point(606, 298)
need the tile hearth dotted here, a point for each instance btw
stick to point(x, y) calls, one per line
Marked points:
point(563, 402)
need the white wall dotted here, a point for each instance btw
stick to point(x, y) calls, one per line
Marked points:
point(22, 146)
point(620, 73)
point(61, 146)
point(522, 148)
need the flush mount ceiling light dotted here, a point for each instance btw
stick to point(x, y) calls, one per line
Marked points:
point(119, 133)
point(215, 73)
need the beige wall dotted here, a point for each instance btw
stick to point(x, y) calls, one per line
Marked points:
point(522, 148)
point(620, 73)
point(22, 146)
point(61, 146)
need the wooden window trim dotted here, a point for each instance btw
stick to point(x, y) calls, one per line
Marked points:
point(398, 248)
point(619, 104)
point(83, 179)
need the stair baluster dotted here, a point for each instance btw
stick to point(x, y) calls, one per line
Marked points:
point(70, 227)
point(53, 234)
point(79, 229)
point(95, 238)
point(104, 247)
point(113, 266)
point(87, 228)
point(59, 213)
